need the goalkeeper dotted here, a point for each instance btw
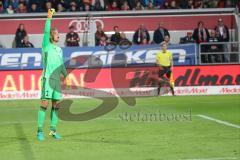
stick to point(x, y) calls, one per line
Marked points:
point(53, 67)
point(164, 60)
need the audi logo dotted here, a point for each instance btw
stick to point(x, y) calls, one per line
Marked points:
point(83, 25)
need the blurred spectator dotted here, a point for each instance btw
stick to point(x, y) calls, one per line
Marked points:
point(200, 34)
point(213, 38)
point(132, 4)
point(213, 47)
point(120, 2)
point(190, 4)
point(166, 5)
point(25, 43)
point(13, 3)
point(34, 8)
point(150, 6)
point(48, 5)
point(210, 4)
point(173, 5)
point(140, 34)
point(88, 2)
point(99, 34)
point(1, 7)
point(125, 6)
point(87, 7)
point(113, 6)
point(198, 4)
point(22, 8)
point(139, 6)
point(167, 40)
point(183, 4)
point(187, 39)
point(23, 1)
point(124, 38)
point(146, 3)
point(60, 8)
point(228, 4)
point(40, 3)
point(160, 33)
point(102, 41)
point(20, 34)
point(158, 3)
point(73, 7)
point(221, 3)
point(222, 31)
point(214, 3)
point(65, 3)
point(116, 37)
point(10, 10)
point(72, 38)
point(98, 5)
point(144, 41)
point(81, 7)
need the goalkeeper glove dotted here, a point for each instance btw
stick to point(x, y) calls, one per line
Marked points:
point(51, 12)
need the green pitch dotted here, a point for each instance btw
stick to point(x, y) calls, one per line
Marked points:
point(158, 128)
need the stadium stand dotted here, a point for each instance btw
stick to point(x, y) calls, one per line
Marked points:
point(32, 6)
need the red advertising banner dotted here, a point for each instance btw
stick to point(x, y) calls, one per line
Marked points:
point(30, 80)
point(178, 22)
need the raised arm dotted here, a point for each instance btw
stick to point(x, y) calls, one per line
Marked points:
point(47, 29)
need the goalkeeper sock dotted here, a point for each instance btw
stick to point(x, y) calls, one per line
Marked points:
point(54, 119)
point(41, 118)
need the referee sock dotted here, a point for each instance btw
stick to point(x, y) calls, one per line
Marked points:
point(54, 119)
point(172, 89)
point(41, 118)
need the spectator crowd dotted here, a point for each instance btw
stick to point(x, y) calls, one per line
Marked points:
point(32, 6)
point(212, 40)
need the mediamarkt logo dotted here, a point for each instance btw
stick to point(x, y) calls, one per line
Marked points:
point(191, 77)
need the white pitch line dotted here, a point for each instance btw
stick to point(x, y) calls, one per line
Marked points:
point(219, 158)
point(219, 121)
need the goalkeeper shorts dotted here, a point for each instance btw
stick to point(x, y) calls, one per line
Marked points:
point(51, 89)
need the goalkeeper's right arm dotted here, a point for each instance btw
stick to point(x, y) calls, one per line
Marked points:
point(47, 29)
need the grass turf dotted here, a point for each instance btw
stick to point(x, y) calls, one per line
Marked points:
point(126, 133)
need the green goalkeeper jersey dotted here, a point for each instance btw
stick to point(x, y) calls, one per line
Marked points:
point(52, 56)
